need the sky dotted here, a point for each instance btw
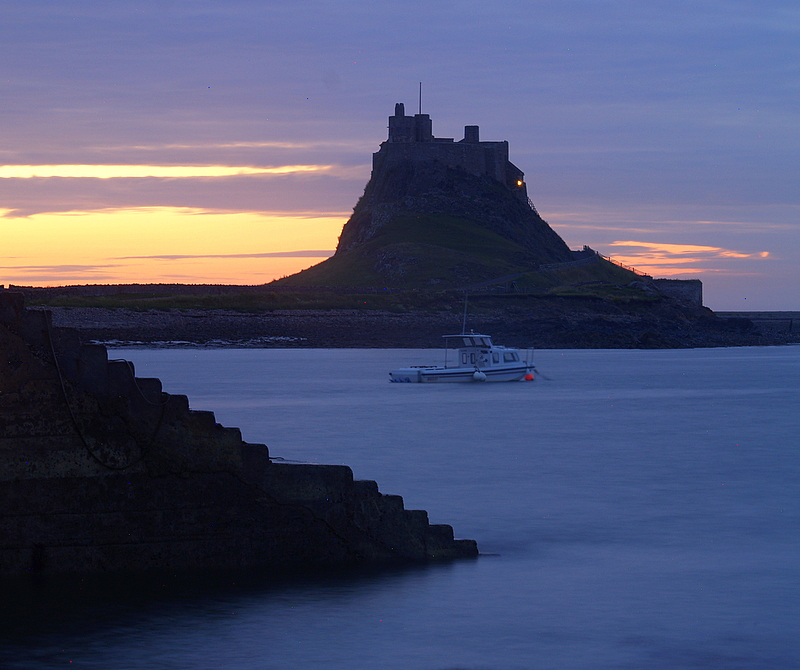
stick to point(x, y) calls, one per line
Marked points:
point(210, 141)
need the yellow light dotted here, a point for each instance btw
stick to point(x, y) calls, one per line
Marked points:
point(520, 182)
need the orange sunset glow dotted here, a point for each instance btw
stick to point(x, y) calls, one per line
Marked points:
point(669, 260)
point(163, 245)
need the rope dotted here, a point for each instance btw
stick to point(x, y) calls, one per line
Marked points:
point(132, 371)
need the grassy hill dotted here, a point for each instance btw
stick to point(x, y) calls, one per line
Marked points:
point(420, 251)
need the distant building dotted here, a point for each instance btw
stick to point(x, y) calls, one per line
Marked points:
point(411, 138)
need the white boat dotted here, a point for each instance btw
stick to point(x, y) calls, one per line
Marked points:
point(476, 360)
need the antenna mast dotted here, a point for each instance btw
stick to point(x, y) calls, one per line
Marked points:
point(420, 97)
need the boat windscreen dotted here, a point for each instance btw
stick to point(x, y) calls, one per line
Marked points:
point(468, 340)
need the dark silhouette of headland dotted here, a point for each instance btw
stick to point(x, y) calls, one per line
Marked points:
point(438, 213)
point(439, 218)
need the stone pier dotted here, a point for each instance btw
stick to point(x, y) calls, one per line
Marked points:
point(102, 471)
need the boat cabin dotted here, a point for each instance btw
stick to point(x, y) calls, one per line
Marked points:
point(477, 351)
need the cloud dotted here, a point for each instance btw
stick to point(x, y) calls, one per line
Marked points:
point(142, 171)
point(58, 268)
point(686, 253)
point(661, 258)
point(242, 145)
point(58, 273)
point(303, 253)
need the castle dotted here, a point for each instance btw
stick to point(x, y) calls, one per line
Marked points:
point(411, 138)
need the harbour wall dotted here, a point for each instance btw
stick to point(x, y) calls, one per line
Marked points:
point(781, 322)
point(102, 471)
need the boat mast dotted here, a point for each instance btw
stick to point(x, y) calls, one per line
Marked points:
point(464, 320)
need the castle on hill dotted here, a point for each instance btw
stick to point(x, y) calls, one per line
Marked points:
point(411, 139)
point(442, 213)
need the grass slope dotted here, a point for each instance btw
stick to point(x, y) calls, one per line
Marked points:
point(418, 251)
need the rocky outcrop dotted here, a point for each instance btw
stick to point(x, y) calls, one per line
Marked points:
point(430, 187)
point(102, 471)
point(424, 224)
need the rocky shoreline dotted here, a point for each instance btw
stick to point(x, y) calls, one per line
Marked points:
point(571, 324)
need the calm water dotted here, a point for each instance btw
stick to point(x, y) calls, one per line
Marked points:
point(638, 510)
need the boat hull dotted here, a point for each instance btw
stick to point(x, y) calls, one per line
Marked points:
point(426, 375)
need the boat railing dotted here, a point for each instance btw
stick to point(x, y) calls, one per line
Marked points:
point(529, 357)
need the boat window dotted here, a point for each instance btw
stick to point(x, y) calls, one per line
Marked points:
point(495, 357)
point(467, 341)
point(508, 357)
point(481, 342)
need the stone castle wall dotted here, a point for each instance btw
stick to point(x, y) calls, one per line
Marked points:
point(485, 158)
point(411, 139)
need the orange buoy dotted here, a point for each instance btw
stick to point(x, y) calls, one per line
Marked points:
point(529, 377)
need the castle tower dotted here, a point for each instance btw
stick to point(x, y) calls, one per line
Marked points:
point(411, 138)
point(401, 127)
